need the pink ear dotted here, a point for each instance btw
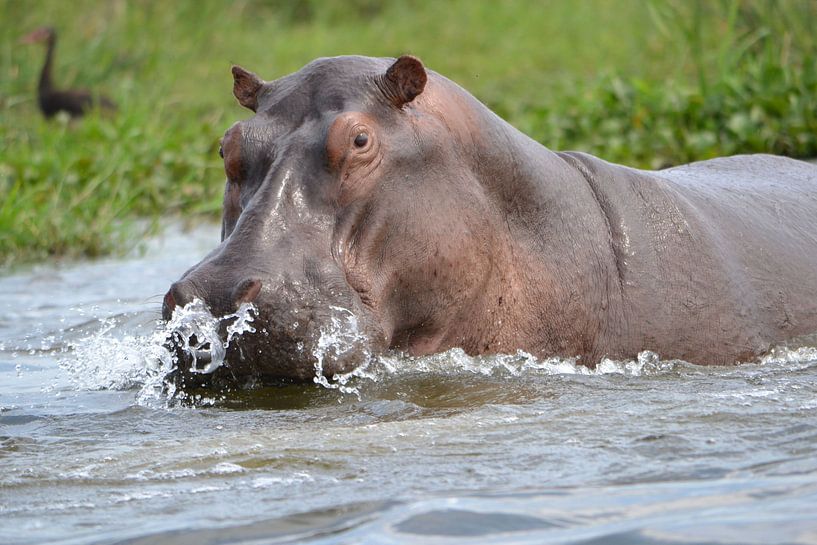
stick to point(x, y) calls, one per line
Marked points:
point(245, 87)
point(405, 80)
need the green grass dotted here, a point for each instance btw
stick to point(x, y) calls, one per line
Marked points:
point(646, 83)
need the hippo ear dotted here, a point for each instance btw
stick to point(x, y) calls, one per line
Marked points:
point(404, 80)
point(245, 87)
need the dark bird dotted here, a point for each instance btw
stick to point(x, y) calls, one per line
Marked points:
point(74, 101)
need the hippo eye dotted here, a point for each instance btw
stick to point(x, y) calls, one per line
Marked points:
point(361, 139)
point(221, 152)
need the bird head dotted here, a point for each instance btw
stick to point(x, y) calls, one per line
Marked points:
point(42, 34)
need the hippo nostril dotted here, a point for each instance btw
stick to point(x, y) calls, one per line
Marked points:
point(168, 305)
point(179, 294)
point(247, 291)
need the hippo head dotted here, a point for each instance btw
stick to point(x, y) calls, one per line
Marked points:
point(348, 204)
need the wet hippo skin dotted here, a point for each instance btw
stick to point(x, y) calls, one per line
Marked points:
point(379, 195)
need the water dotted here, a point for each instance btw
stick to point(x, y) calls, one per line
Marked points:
point(445, 449)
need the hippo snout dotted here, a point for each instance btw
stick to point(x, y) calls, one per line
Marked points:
point(184, 292)
point(297, 330)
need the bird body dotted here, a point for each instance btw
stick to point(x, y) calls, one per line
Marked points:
point(51, 100)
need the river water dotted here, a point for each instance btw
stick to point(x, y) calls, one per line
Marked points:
point(445, 449)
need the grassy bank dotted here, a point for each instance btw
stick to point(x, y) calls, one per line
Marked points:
point(644, 83)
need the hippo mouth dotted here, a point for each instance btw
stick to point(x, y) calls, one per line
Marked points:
point(201, 343)
point(202, 359)
point(247, 348)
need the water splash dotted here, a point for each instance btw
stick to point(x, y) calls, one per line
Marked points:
point(106, 360)
point(341, 336)
point(455, 362)
point(795, 358)
point(195, 322)
point(647, 363)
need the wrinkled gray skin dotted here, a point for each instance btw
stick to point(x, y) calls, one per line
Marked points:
point(450, 228)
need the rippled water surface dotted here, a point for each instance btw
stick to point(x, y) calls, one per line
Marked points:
point(446, 449)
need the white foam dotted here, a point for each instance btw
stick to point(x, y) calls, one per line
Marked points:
point(342, 334)
point(455, 361)
point(799, 357)
point(226, 468)
point(269, 481)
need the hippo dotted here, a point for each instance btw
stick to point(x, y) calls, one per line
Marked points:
point(377, 201)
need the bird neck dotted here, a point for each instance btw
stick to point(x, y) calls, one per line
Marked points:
point(45, 75)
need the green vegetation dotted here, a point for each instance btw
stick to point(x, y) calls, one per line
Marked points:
point(646, 83)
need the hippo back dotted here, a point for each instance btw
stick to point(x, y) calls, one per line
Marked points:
point(761, 211)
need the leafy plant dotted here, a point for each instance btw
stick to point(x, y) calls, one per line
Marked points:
point(648, 85)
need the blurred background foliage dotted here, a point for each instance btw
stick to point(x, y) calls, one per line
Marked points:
point(648, 83)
